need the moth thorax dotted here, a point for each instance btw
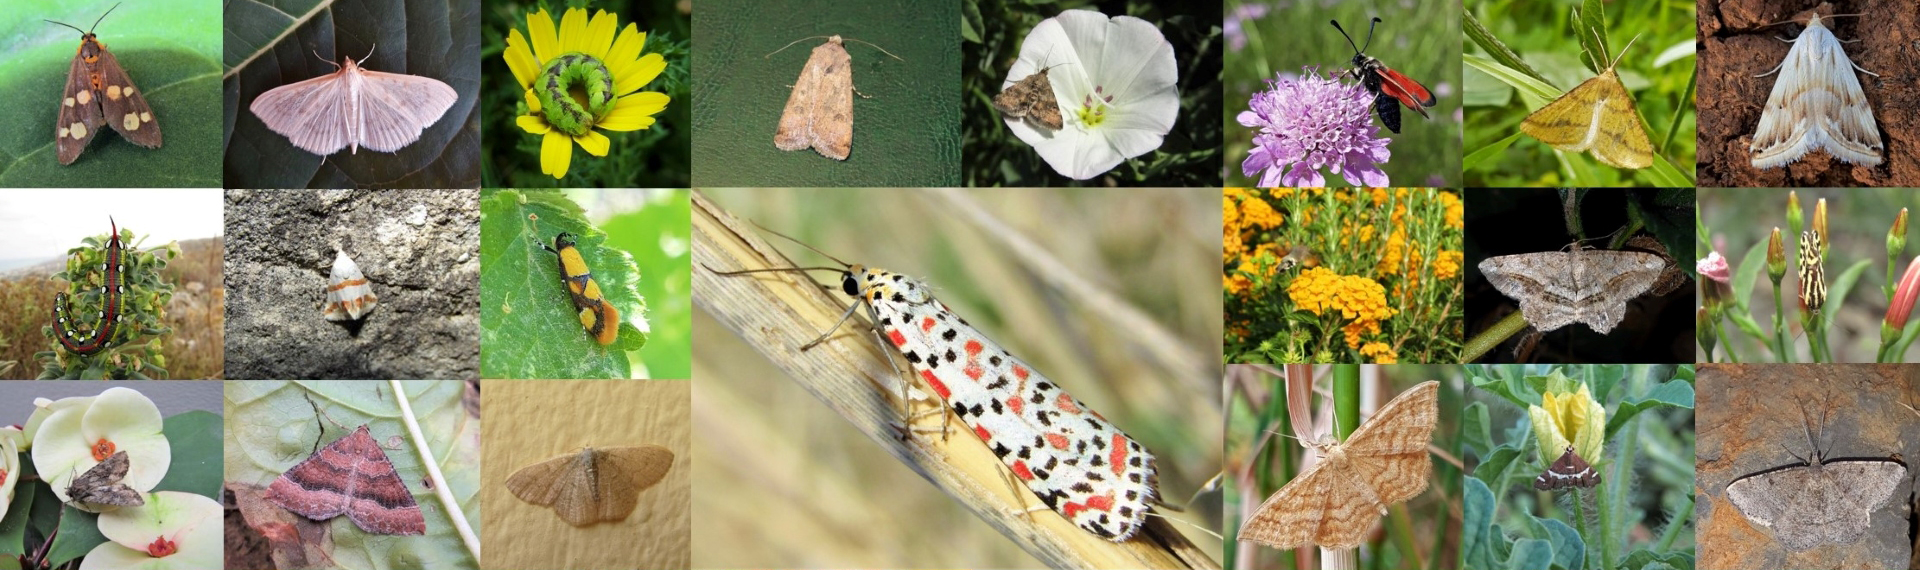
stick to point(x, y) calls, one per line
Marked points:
point(1330, 450)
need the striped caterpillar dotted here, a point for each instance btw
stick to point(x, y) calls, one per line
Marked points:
point(109, 313)
point(565, 72)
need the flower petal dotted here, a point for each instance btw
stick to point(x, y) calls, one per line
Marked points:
point(634, 112)
point(1072, 152)
point(520, 59)
point(626, 48)
point(191, 522)
point(573, 30)
point(131, 422)
point(556, 150)
point(9, 466)
point(532, 124)
point(638, 74)
point(533, 102)
point(594, 143)
point(600, 34)
point(61, 451)
point(540, 27)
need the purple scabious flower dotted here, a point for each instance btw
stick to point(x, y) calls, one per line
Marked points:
point(1309, 122)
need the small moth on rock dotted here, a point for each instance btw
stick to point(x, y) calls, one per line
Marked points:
point(819, 111)
point(354, 107)
point(101, 485)
point(99, 92)
point(349, 296)
point(1031, 98)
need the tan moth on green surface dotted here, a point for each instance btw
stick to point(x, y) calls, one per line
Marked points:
point(354, 107)
point(819, 112)
point(594, 485)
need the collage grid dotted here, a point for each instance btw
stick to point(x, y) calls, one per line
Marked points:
point(1503, 284)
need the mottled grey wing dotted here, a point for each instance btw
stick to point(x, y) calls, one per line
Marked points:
point(1539, 282)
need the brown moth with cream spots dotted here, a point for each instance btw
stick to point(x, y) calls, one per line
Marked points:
point(100, 93)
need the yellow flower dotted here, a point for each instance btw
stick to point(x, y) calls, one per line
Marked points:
point(1568, 417)
point(1379, 352)
point(1446, 265)
point(1358, 299)
point(1455, 213)
point(1257, 213)
point(630, 70)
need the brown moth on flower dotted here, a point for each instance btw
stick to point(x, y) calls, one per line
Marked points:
point(1031, 98)
point(101, 485)
point(354, 107)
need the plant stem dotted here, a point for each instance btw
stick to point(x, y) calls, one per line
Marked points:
point(440, 488)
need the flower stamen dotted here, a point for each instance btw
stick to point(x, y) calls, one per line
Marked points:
point(162, 548)
point(102, 449)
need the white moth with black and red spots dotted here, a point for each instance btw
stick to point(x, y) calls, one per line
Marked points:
point(1076, 461)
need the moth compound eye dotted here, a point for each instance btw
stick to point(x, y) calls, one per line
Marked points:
point(849, 285)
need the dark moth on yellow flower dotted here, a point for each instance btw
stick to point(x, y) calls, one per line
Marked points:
point(599, 317)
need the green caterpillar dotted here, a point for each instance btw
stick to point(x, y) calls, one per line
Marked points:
point(561, 75)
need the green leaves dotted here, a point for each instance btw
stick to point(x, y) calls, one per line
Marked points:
point(529, 327)
point(168, 48)
point(269, 46)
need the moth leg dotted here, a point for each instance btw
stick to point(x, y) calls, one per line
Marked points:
point(856, 91)
point(1014, 486)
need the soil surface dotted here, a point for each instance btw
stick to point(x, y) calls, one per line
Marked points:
point(1750, 420)
point(1737, 44)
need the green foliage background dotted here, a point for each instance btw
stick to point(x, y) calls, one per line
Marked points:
point(1638, 516)
point(171, 51)
point(659, 156)
point(991, 32)
point(1544, 35)
point(1420, 41)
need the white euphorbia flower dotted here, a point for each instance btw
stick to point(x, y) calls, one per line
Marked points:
point(10, 439)
point(1115, 80)
point(79, 433)
point(173, 530)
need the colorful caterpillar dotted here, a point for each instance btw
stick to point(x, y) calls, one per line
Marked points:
point(109, 314)
point(599, 317)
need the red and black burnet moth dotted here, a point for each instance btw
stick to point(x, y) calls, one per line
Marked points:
point(1390, 89)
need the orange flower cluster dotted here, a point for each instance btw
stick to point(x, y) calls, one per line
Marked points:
point(1446, 266)
point(1379, 352)
point(1360, 300)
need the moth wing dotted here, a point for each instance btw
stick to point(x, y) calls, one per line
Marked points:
point(1598, 115)
point(312, 114)
point(125, 108)
point(540, 483)
point(624, 472)
point(819, 112)
point(1567, 123)
point(1851, 134)
point(1867, 483)
point(79, 121)
point(1293, 516)
point(1392, 445)
point(395, 108)
point(1623, 142)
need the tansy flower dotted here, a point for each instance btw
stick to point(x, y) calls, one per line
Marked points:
point(1446, 266)
point(1379, 352)
point(587, 80)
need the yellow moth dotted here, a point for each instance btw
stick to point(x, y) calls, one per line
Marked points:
point(354, 107)
point(1597, 116)
point(1816, 104)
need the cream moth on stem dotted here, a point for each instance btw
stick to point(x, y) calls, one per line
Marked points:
point(777, 313)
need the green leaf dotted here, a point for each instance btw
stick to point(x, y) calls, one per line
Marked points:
point(195, 438)
point(1749, 271)
point(1665, 173)
point(1840, 288)
point(168, 48)
point(1569, 551)
point(1476, 429)
point(658, 235)
point(1530, 554)
point(79, 533)
point(271, 45)
point(1481, 36)
point(1537, 93)
point(1499, 465)
point(13, 528)
point(1672, 393)
point(1491, 150)
point(1477, 533)
point(272, 426)
point(1649, 560)
point(529, 327)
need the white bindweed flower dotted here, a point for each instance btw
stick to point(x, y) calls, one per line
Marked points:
point(1115, 80)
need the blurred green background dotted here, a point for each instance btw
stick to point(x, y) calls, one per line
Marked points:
point(656, 157)
point(824, 496)
point(1418, 39)
point(1658, 71)
point(905, 133)
point(991, 33)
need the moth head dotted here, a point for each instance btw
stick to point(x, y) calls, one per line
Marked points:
point(1360, 58)
point(86, 36)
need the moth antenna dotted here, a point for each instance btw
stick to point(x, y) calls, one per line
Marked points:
point(96, 23)
point(316, 55)
point(843, 264)
point(1215, 535)
point(1623, 51)
point(790, 44)
point(870, 44)
point(1343, 33)
point(363, 61)
point(1370, 25)
point(65, 24)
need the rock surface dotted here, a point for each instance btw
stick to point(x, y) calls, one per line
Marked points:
point(1734, 47)
point(418, 248)
point(1749, 421)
